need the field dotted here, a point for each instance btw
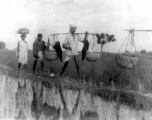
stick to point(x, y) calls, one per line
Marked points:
point(104, 74)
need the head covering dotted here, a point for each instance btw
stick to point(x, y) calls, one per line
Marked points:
point(73, 26)
point(39, 35)
point(23, 35)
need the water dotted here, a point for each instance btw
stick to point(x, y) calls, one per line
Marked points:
point(24, 99)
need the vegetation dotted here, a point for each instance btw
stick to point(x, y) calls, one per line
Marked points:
point(2, 45)
point(110, 80)
point(101, 73)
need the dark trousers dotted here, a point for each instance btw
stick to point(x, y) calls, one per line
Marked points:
point(35, 63)
point(76, 60)
point(19, 65)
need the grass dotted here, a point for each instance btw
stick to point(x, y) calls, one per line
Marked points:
point(109, 80)
point(102, 73)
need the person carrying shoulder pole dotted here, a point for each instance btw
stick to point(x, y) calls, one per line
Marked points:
point(22, 52)
point(71, 45)
point(38, 51)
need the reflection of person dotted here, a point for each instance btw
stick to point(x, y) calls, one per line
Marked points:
point(38, 51)
point(71, 45)
point(22, 52)
point(73, 115)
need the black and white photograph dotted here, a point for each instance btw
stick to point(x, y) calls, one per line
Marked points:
point(75, 60)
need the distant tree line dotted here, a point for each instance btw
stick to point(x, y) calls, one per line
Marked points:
point(2, 45)
point(145, 52)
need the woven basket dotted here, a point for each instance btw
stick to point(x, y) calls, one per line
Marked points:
point(126, 61)
point(23, 31)
point(50, 55)
point(93, 56)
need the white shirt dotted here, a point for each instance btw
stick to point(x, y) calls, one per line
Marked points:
point(72, 42)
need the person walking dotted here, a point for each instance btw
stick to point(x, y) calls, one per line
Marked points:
point(22, 52)
point(38, 52)
point(71, 45)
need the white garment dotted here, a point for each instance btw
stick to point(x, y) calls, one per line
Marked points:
point(52, 41)
point(106, 40)
point(67, 58)
point(73, 26)
point(40, 54)
point(93, 46)
point(73, 43)
point(23, 52)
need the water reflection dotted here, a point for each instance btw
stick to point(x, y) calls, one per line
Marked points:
point(24, 99)
point(21, 103)
point(89, 115)
point(67, 114)
point(39, 108)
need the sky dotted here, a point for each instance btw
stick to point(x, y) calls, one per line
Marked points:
point(98, 16)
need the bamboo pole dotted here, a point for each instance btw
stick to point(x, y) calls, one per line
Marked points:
point(140, 30)
point(67, 33)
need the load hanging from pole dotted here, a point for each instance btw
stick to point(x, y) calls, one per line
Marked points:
point(127, 58)
point(88, 51)
point(53, 50)
point(93, 56)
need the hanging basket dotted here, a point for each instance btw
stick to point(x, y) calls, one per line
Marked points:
point(50, 55)
point(126, 61)
point(93, 56)
point(23, 31)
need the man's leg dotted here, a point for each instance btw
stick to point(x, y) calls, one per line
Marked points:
point(76, 60)
point(19, 65)
point(66, 62)
point(42, 66)
point(64, 67)
point(25, 66)
point(34, 65)
point(25, 62)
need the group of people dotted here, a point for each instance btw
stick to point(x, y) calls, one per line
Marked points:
point(70, 44)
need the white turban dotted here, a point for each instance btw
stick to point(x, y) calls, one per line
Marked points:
point(73, 26)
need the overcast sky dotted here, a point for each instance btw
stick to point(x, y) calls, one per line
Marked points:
point(51, 16)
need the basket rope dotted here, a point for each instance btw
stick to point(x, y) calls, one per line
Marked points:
point(131, 38)
point(54, 38)
point(47, 49)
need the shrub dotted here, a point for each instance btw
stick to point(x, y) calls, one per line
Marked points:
point(143, 51)
point(2, 45)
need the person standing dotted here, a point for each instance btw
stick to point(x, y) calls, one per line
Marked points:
point(22, 52)
point(71, 45)
point(38, 52)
